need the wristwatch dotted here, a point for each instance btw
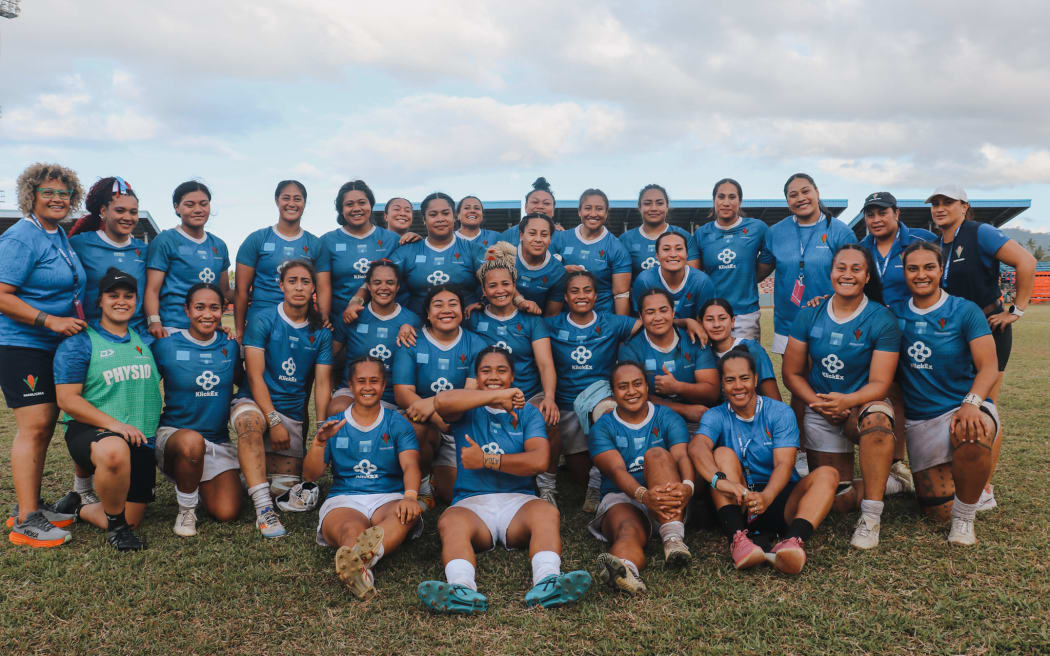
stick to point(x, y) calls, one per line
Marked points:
point(717, 477)
point(1016, 311)
point(273, 418)
point(973, 399)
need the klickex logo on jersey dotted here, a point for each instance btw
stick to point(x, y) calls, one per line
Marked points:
point(832, 366)
point(492, 449)
point(206, 381)
point(581, 355)
point(361, 266)
point(438, 277)
point(440, 385)
point(919, 353)
point(726, 257)
point(288, 366)
point(206, 275)
point(649, 263)
point(380, 351)
point(365, 469)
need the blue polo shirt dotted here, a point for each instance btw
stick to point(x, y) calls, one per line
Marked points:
point(753, 440)
point(891, 267)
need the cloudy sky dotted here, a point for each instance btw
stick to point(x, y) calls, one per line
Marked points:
point(480, 98)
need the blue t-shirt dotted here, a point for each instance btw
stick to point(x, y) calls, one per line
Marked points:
point(682, 360)
point(481, 241)
point(291, 351)
point(891, 267)
point(936, 365)
point(784, 243)
point(31, 261)
point(424, 267)
point(73, 355)
point(729, 256)
point(642, 250)
point(495, 431)
point(694, 291)
point(511, 235)
point(98, 253)
point(364, 459)
point(584, 354)
point(543, 284)
point(431, 368)
point(762, 361)
point(516, 333)
point(371, 335)
point(603, 257)
point(841, 351)
point(185, 262)
point(661, 428)
point(266, 249)
point(772, 427)
point(348, 257)
point(198, 382)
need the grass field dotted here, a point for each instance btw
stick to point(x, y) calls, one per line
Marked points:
point(229, 591)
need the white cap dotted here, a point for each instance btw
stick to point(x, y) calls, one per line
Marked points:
point(953, 191)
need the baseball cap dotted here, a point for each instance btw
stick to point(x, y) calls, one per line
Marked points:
point(953, 191)
point(880, 199)
point(116, 278)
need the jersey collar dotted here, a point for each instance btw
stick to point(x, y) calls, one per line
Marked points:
point(353, 236)
point(106, 239)
point(507, 318)
point(187, 236)
point(284, 317)
point(586, 325)
point(297, 236)
point(442, 249)
point(658, 349)
point(437, 345)
point(648, 417)
point(736, 342)
point(364, 429)
point(851, 317)
point(734, 224)
point(758, 409)
point(685, 279)
point(526, 265)
point(941, 301)
point(193, 340)
point(384, 317)
point(579, 235)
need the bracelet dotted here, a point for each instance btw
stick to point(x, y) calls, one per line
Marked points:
point(640, 493)
point(41, 319)
point(973, 399)
point(692, 488)
point(411, 495)
point(153, 318)
point(717, 477)
point(356, 299)
point(273, 418)
point(622, 295)
point(491, 461)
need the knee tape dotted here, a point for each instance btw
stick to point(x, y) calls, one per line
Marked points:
point(281, 483)
point(877, 406)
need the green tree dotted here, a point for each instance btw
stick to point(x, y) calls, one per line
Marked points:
point(1036, 250)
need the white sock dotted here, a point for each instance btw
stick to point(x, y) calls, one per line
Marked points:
point(594, 478)
point(188, 499)
point(871, 508)
point(82, 485)
point(672, 530)
point(546, 480)
point(631, 566)
point(460, 572)
point(375, 558)
point(544, 564)
point(424, 487)
point(967, 511)
point(893, 486)
point(260, 495)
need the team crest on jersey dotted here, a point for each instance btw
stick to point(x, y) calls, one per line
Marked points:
point(139, 349)
point(456, 255)
point(744, 231)
point(601, 252)
point(312, 338)
point(768, 434)
point(386, 437)
point(656, 431)
point(519, 327)
point(138, 252)
point(514, 422)
point(214, 250)
point(857, 333)
point(462, 357)
point(958, 252)
point(224, 353)
point(688, 296)
point(379, 243)
point(942, 321)
point(688, 358)
point(306, 250)
point(598, 330)
point(824, 238)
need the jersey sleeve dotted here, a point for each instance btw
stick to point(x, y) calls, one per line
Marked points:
point(691, 249)
point(706, 290)
point(705, 356)
point(803, 322)
point(619, 258)
point(248, 253)
point(257, 333)
point(624, 326)
point(340, 330)
point(765, 254)
point(532, 424)
point(159, 255)
point(557, 291)
point(711, 426)
point(17, 261)
point(404, 366)
point(324, 349)
point(404, 437)
point(762, 362)
point(989, 240)
point(889, 334)
point(322, 261)
point(675, 431)
point(539, 328)
point(843, 235)
point(601, 438)
point(221, 247)
point(637, 289)
point(627, 353)
point(784, 427)
point(974, 324)
point(72, 359)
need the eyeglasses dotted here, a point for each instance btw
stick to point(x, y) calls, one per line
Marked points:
point(47, 193)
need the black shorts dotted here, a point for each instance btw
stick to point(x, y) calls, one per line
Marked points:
point(1004, 342)
point(26, 376)
point(80, 437)
point(772, 521)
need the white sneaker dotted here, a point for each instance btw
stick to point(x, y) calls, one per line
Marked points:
point(866, 535)
point(186, 523)
point(987, 500)
point(301, 497)
point(801, 464)
point(550, 495)
point(962, 532)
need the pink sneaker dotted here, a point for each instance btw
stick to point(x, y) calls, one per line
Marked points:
point(746, 554)
point(789, 556)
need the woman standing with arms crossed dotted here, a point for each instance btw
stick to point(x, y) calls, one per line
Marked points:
point(41, 301)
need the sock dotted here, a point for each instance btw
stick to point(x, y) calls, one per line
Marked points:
point(967, 511)
point(896, 460)
point(188, 500)
point(800, 528)
point(260, 495)
point(731, 519)
point(375, 557)
point(424, 487)
point(460, 572)
point(672, 530)
point(544, 564)
point(82, 485)
point(594, 478)
point(844, 487)
point(893, 486)
point(871, 508)
point(631, 566)
point(115, 521)
point(546, 480)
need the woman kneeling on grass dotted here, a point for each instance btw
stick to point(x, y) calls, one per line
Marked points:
point(746, 449)
point(371, 507)
point(647, 480)
point(107, 383)
point(493, 499)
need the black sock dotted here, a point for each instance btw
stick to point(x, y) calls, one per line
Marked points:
point(115, 521)
point(731, 519)
point(800, 528)
point(761, 539)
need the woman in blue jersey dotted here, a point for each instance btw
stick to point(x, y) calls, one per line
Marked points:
point(199, 366)
point(647, 480)
point(501, 445)
point(41, 301)
point(107, 383)
point(539, 200)
point(348, 250)
point(283, 346)
point(840, 361)
point(745, 449)
point(374, 332)
point(640, 242)
point(470, 214)
point(440, 359)
point(541, 276)
point(799, 249)
point(690, 288)
point(716, 315)
point(680, 374)
point(949, 368)
point(262, 253)
point(181, 257)
point(730, 248)
point(371, 507)
point(397, 214)
point(591, 247)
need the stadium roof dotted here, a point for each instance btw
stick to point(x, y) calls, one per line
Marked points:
point(916, 213)
point(623, 214)
point(146, 229)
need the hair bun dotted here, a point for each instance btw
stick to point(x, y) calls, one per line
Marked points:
point(541, 184)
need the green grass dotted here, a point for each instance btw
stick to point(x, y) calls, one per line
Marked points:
point(229, 591)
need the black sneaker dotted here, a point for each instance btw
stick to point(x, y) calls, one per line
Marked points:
point(69, 504)
point(124, 539)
